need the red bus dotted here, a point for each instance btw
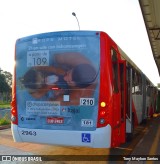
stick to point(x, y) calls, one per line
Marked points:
point(77, 88)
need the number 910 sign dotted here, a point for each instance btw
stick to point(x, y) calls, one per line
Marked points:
point(38, 58)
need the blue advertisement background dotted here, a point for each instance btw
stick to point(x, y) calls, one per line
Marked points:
point(86, 43)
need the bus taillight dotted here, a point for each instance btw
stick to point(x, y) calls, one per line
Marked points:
point(102, 118)
point(102, 113)
point(103, 110)
point(14, 117)
point(13, 111)
point(103, 104)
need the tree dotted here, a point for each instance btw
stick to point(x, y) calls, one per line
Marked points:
point(5, 85)
point(8, 77)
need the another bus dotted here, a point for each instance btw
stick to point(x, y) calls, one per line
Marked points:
point(77, 88)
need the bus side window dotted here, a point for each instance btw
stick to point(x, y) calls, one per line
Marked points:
point(148, 91)
point(114, 70)
point(137, 83)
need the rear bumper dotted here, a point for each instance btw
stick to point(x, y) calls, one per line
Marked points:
point(100, 138)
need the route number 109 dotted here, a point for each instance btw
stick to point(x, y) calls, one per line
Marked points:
point(39, 61)
point(38, 58)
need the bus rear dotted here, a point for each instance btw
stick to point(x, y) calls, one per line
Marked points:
point(55, 97)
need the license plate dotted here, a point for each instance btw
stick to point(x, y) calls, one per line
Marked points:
point(55, 120)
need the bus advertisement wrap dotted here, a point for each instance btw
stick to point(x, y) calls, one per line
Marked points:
point(57, 81)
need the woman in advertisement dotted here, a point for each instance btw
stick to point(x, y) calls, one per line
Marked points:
point(71, 73)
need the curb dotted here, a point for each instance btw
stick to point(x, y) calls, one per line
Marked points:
point(2, 127)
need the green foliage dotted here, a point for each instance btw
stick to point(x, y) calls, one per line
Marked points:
point(5, 105)
point(8, 77)
point(5, 120)
point(5, 81)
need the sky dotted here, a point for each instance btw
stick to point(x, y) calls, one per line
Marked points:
point(121, 19)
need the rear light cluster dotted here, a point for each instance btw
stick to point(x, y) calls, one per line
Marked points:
point(14, 116)
point(103, 111)
point(102, 115)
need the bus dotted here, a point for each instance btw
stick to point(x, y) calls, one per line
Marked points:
point(77, 88)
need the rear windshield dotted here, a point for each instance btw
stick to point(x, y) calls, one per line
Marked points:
point(57, 75)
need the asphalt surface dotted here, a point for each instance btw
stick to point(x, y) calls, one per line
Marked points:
point(147, 151)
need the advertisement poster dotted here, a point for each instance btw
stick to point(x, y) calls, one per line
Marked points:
point(57, 80)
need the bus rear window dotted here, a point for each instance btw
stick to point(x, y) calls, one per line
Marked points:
point(57, 77)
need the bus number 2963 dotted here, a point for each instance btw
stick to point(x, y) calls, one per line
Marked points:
point(31, 133)
point(87, 101)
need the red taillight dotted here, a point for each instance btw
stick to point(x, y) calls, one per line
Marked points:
point(13, 111)
point(14, 115)
point(103, 110)
point(102, 115)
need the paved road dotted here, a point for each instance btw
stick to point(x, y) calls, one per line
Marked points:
point(149, 146)
point(8, 147)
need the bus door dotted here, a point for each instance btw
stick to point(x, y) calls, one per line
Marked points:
point(122, 72)
point(119, 99)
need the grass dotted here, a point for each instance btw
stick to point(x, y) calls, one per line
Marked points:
point(5, 120)
point(5, 105)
